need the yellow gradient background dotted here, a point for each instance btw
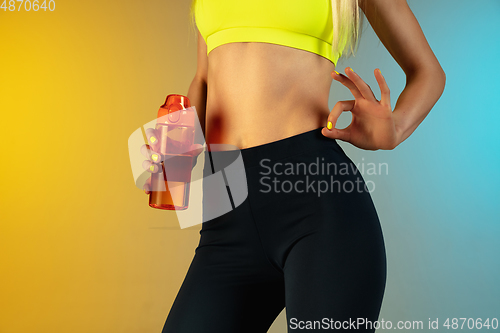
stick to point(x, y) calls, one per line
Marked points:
point(80, 250)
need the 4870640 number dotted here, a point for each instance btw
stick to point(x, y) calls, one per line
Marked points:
point(29, 5)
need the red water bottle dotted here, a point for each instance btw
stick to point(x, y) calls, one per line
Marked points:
point(175, 131)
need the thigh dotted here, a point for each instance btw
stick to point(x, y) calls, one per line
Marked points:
point(337, 271)
point(230, 285)
point(207, 303)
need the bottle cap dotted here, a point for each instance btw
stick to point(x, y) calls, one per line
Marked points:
point(173, 103)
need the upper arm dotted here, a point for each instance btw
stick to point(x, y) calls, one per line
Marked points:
point(202, 62)
point(400, 32)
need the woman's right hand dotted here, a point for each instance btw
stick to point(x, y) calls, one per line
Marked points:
point(154, 158)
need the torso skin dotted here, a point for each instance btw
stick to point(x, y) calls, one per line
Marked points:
point(261, 92)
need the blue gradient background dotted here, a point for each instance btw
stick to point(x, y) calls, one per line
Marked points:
point(439, 203)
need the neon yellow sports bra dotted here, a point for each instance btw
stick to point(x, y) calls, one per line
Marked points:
point(301, 24)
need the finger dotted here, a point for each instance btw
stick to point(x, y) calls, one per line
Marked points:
point(330, 130)
point(385, 93)
point(147, 186)
point(150, 167)
point(150, 154)
point(348, 83)
point(362, 86)
point(338, 134)
point(156, 158)
point(153, 139)
point(145, 151)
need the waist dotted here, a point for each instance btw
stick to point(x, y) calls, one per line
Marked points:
point(310, 141)
point(261, 92)
point(245, 131)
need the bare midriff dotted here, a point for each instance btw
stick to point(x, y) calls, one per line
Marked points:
point(260, 92)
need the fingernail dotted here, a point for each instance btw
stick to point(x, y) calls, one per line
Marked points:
point(152, 139)
point(152, 168)
point(379, 71)
point(329, 125)
point(154, 157)
point(352, 70)
point(337, 73)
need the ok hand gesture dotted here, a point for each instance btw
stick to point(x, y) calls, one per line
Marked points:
point(373, 125)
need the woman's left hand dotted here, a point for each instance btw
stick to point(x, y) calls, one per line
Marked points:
point(373, 125)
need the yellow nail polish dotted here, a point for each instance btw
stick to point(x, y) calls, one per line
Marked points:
point(352, 70)
point(154, 157)
point(152, 139)
point(337, 73)
point(379, 71)
point(329, 125)
point(152, 168)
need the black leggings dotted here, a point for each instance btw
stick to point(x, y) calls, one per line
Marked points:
point(306, 238)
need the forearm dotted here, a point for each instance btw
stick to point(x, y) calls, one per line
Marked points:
point(421, 93)
point(197, 95)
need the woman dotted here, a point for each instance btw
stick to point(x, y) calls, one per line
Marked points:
point(262, 84)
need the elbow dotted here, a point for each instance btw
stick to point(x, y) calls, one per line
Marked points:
point(434, 77)
point(200, 79)
point(442, 76)
point(439, 76)
point(442, 80)
point(437, 81)
point(430, 70)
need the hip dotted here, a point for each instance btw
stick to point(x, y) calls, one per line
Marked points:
point(306, 177)
point(307, 166)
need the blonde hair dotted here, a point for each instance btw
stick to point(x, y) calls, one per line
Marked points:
point(347, 25)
